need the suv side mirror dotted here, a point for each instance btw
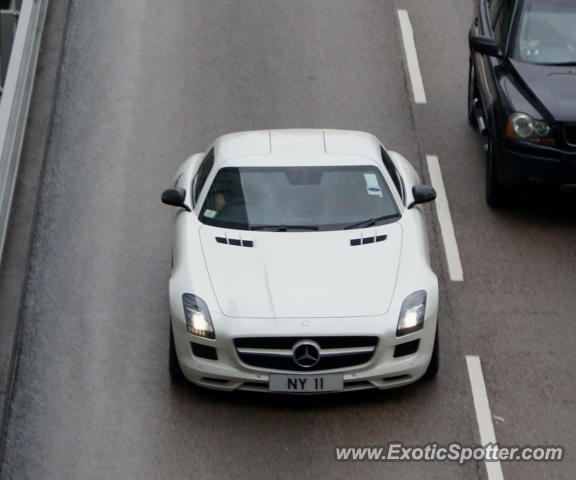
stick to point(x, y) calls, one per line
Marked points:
point(175, 197)
point(422, 194)
point(485, 46)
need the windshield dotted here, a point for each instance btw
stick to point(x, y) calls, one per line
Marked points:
point(547, 33)
point(298, 198)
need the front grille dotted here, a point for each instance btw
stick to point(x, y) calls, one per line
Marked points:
point(570, 134)
point(275, 353)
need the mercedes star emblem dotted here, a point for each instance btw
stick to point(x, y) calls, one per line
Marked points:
point(306, 353)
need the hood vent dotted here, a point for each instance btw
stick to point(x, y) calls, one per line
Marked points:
point(236, 242)
point(364, 240)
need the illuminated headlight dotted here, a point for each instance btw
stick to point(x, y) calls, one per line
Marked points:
point(412, 313)
point(524, 127)
point(198, 321)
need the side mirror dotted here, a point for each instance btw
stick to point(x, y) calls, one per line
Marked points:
point(175, 197)
point(485, 46)
point(422, 194)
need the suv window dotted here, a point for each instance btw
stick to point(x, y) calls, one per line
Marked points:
point(202, 175)
point(494, 10)
point(503, 22)
point(389, 164)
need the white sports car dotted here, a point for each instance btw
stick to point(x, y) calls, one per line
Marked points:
point(301, 264)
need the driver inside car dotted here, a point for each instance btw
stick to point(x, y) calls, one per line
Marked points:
point(216, 201)
point(219, 201)
point(225, 196)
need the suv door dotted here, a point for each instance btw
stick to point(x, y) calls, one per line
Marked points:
point(494, 20)
point(483, 66)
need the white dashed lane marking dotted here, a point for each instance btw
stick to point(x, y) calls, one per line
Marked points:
point(411, 57)
point(445, 220)
point(483, 415)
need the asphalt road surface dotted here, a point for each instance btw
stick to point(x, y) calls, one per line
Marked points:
point(144, 84)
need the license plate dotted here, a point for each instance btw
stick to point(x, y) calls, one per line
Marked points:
point(306, 383)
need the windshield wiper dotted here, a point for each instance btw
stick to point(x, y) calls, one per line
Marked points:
point(370, 221)
point(283, 228)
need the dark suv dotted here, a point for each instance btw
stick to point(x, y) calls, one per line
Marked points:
point(522, 92)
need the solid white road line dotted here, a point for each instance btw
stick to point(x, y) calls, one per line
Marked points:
point(445, 220)
point(411, 57)
point(483, 415)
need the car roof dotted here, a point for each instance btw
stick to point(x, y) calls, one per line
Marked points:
point(296, 147)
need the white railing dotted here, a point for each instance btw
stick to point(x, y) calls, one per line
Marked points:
point(15, 101)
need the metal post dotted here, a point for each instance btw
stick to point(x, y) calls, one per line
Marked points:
point(16, 101)
point(7, 29)
point(8, 19)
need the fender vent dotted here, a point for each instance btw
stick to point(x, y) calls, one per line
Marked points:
point(364, 240)
point(235, 242)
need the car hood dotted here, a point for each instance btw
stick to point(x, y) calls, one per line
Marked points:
point(302, 274)
point(550, 87)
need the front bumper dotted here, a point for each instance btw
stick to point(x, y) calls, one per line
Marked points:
point(525, 162)
point(229, 372)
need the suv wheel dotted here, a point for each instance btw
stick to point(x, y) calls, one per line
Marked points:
point(496, 193)
point(471, 96)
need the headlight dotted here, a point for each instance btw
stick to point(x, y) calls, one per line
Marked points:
point(524, 127)
point(412, 313)
point(198, 321)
